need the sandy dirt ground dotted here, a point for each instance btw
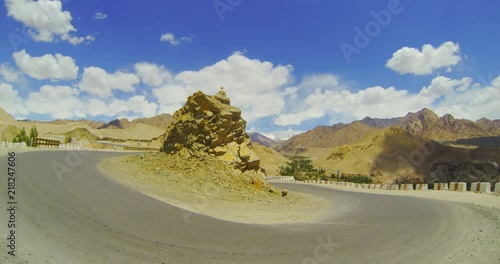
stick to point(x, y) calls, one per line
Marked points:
point(213, 193)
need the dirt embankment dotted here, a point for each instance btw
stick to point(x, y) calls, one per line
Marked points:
point(207, 186)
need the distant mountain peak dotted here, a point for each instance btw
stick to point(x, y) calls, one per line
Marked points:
point(257, 137)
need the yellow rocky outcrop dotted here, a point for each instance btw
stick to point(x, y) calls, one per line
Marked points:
point(209, 124)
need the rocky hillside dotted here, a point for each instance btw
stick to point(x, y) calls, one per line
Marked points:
point(122, 123)
point(325, 137)
point(395, 155)
point(210, 125)
point(486, 142)
point(160, 121)
point(424, 123)
point(270, 160)
point(428, 124)
point(90, 123)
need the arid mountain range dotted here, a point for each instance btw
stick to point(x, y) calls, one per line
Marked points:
point(424, 123)
point(419, 147)
point(137, 133)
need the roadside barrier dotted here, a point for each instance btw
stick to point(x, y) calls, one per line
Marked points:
point(440, 186)
point(482, 187)
point(406, 187)
point(43, 142)
point(422, 187)
point(458, 186)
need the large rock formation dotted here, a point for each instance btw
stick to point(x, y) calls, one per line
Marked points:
point(209, 124)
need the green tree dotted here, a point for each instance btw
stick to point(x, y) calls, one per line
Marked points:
point(21, 137)
point(300, 167)
point(33, 135)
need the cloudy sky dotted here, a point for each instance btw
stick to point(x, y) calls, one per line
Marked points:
point(289, 65)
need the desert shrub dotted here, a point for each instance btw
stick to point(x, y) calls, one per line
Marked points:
point(355, 178)
point(301, 167)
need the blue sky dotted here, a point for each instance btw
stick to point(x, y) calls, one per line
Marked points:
point(290, 65)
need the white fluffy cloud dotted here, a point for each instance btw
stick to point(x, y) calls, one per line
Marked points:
point(139, 104)
point(45, 19)
point(100, 16)
point(57, 101)
point(10, 101)
point(115, 107)
point(252, 85)
point(411, 60)
point(77, 40)
point(455, 96)
point(8, 74)
point(152, 74)
point(55, 67)
point(475, 102)
point(342, 105)
point(112, 108)
point(442, 86)
point(173, 40)
point(97, 81)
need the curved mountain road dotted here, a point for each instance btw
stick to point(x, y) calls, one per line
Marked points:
point(84, 217)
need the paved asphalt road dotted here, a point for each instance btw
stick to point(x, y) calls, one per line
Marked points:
point(83, 217)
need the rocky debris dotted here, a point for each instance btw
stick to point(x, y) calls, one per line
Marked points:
point(209, 124)
point(284, 193)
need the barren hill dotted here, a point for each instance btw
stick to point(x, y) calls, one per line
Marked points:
point(91, 123)
point(117, 124)
point(160, 121)
point(270, 160)
point(394, 154)
point(5, 118)
point(325, 137)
